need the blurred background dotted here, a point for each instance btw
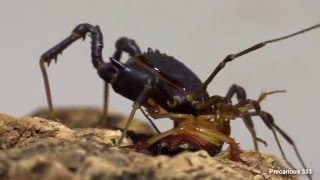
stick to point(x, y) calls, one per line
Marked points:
point(198, 33)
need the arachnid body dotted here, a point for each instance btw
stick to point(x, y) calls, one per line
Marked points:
point(167, 88)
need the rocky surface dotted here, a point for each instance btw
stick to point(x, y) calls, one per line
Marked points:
point(80, 117)
point(37, 148)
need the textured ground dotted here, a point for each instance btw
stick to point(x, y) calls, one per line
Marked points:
point(36, 148)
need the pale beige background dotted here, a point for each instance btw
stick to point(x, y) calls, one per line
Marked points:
point(198, 33)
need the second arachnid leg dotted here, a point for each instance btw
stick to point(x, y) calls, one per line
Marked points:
point(242, 96)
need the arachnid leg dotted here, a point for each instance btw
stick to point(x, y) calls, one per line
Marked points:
point(78, 32)
point(127, 45)
point(231, 57)
point(150, 83)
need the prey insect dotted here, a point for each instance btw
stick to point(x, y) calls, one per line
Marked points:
point(167, 88)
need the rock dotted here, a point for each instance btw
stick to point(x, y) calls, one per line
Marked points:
point(23, 132)
point(80, 117)
point(36, 148)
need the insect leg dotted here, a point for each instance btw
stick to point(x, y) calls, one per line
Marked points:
point(205, 135)
point(212, 136)
point(242, 96)
point(232, 57)
point(151, 82)
point(269, 121)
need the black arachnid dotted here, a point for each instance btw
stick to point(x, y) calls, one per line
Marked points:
point(166, 88)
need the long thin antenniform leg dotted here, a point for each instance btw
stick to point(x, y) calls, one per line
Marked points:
point(151, 82)
point(231, 57)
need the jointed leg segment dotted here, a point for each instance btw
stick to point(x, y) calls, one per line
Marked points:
point(78, 32)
